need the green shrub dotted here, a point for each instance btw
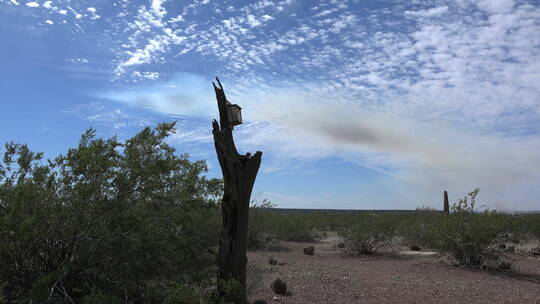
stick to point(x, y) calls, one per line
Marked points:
point(107, 220)
point(260, 231)
point(266, 226)
point(197, 292)
point(294, 228)
point(370, 233)
point(527, 224)
point(468, 234)
point(418, 228)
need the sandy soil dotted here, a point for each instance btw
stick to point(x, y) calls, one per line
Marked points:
point(332, 277)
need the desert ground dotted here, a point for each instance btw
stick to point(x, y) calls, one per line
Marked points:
point(399, 276)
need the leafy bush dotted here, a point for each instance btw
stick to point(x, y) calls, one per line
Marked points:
point(468, 234)
point(419, 228)
point(294, 228)
point(106, 222)
point(527, 224)
point(369, 234)
point(260, 232)
point(265, 227)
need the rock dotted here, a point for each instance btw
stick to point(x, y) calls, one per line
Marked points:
point(309, 250)
point(341, 245)
point(496, 263)
point(535, 251)
point(272, 261)
point(506, 247)
point(279, 287)
point(505, 236)
point(508, 237)
point(259, 302)
point(282, 263)
point(275, 299)
point(273, 245)
point(505, 265)
point(415, 248)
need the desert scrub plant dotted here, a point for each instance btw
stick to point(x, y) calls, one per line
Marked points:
point(418, 228)
point(105, 222)
point(260, 231)
point(266, 225)
point(294, 227)
point(370, 233)
point(528, 224)
point(468, 234)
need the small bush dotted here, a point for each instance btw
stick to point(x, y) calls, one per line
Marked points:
point(267, 227)
point(528, 224)
point(371, 233)
point(233, 290)
point(468, 234)
point(273, 245)
point(299, 232)
point(260, 233)
point(419, 228)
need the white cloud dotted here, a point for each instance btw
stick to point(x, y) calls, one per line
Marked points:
point(176, 19)
point(49, 22)
point(436, 11)
point(226, 41)
point(496, 6)
point(93, 14)
point(185, 94)
point(77, 60)
point(343, 22)
point(146, 54)
point(137, 75)
point(32, 4)
point(325, 12)
point(158, 9)
point(103, 114)
point(252, 21)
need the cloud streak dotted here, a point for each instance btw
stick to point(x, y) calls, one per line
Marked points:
point(297, 126)
point(185, 95)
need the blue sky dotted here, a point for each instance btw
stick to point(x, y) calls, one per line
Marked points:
point(355, 104)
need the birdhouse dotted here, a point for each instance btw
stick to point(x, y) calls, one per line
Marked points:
point(234, 113)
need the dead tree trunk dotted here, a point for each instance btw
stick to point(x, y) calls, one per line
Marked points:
point(239, 173)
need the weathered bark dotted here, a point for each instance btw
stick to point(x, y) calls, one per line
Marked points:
point(239, 173)
point(446, 204)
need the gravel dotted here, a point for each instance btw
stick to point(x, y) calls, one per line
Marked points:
point(332, 277)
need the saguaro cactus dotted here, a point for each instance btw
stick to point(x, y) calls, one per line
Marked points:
point(446, 204)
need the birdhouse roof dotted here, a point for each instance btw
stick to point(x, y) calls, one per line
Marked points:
point(235, 105)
